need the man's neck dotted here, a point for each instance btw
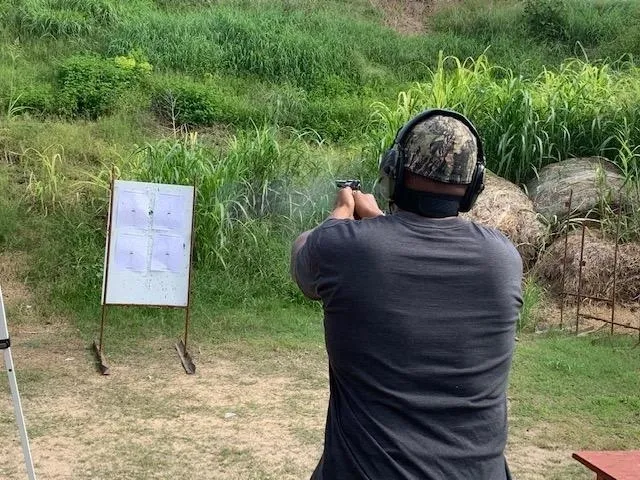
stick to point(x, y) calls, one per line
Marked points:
point(394, 209)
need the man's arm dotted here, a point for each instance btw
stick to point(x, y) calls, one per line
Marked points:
point(302, 267)
point(303, 275)
point(349, 204)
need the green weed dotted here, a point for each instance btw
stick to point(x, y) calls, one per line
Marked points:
point(90, 86)
point(532, 299)
point(10, 213)
point(46, 182)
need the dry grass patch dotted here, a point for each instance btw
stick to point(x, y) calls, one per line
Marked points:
point(410, 17)
point(597, 269)
point(505, 206)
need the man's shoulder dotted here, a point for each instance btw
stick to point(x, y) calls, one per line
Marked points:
point(346, 228)
point(491, 233)
point(496, 242)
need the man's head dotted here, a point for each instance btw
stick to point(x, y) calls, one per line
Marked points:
point(436, 157)
point(440, 148)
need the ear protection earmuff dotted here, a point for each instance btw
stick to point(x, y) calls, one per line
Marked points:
point(392, 161)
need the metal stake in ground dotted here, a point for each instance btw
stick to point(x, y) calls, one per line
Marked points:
point(564, 261)
point(181, 346)
point(97, 346)
point(580, 265)
point(615, 264)
point(5, 346)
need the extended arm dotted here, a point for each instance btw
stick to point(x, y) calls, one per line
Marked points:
point(349, 204)
point(302, 268)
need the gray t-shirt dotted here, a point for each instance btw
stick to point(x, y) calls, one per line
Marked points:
point(419, 319)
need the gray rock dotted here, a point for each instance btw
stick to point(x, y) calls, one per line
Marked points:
point(591, 179)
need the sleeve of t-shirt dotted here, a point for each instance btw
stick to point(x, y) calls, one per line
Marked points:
point(305, 267)
point(306, 263)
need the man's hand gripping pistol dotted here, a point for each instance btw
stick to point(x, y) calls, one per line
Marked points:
point(352, 184)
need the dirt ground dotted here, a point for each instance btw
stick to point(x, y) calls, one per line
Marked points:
point(410, 17)
point(245, 414)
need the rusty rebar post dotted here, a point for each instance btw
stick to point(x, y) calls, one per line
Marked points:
point(580, 265)
point(564, 262)
point(615, 264)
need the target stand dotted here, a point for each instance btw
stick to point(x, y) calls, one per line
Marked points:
point(5, 347)
point(148, 254)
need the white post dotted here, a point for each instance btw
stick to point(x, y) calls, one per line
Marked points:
point(5, 346)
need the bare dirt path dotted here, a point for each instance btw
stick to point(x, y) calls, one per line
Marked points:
point(410, 17)
point(247, 413)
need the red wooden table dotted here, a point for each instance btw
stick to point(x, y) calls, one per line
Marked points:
point(618, 465)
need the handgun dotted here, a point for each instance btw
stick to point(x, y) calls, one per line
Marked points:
point(352, 184)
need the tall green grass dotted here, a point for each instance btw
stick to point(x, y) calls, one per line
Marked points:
point(248, 212)
point(269, 45)
point(553, 29)
point(311, 67)
point(62, 18)
point(533, 297)
point(10, 214)
point(579, 110)
point(254, 195)
point(266, 184)
point(277, 43)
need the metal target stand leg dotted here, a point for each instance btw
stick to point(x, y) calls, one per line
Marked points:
point(181, 346)
point(5, 346)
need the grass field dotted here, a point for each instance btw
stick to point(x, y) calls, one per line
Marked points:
point(265, 103)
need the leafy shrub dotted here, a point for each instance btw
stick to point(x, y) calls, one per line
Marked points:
point(547, 19)
point(36, 98)
point(338, 118)
point(185, 102)
point(90, 86)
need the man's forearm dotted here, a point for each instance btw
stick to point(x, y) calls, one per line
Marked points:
point(343, 210)
point(342, 213)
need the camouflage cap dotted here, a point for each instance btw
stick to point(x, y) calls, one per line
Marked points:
point(441, 148)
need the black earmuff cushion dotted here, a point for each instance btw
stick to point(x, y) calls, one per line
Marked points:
point(474, 189)
point(388, 171)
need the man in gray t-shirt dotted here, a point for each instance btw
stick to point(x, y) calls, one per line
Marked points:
point(420, 309)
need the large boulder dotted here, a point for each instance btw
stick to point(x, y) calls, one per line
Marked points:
point(591, 179)
point(506, 207)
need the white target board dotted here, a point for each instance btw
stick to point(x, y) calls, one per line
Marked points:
point(148, 252)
